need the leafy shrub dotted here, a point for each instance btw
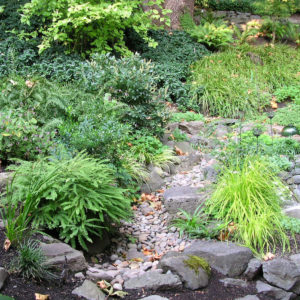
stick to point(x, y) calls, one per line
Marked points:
point(233, 83)
point(235, 5)
point(288, 115)
point(187, 116)
point(77, 197)
point(178, 136)
point(30, 262)
point(20, 137)
point(213, 35)
point(291, 224)
point(88, 26)
point(288, 93)
point(247, 196)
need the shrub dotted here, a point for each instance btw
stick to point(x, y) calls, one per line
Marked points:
point(77, 197)
point(288, 115)
point(247, 196)
point(89, 26)
point(288, 93)
point(235, 5)
point(233, 83)
point(187, 116)
point(178, 136)
point(30, 262)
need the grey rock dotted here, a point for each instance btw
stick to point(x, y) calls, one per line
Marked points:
point(210, 173)
point(79, 275)
point(154, 297)
point(2, 226)
point(191, 279)
point(248, 297)
point(282, 273)
point(293, 211)
point(89, 290)
point(297, 193)
point(184, 147)
point(133, 253)
point(254, 268)
point(98, 274)
point(154, 182)
point(234, 282)
point(227, 258)
point(199, 140)
point(56, 252)
point(146, 209)
point(273, 292)
point(296, 259)
point(296, 171)
point(192, 127)
point(185, 197)
point(154, 281)
point(117, 287)
point(296, 179)
point(172, 126)
point(3, 276)
point(221, 131)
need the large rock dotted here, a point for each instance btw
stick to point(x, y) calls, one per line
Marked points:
point(56, 252)
point(254, 268)
point(183, 197)
point(227, 258)
point(192, 278)
point(187, 162)
point(154, 281)
point(193, 127)
point(273, 292)
point(89, 291)
point(3, 276)
point(184, 147)
point(296, 179)
point(282, 273)
point(155, 181)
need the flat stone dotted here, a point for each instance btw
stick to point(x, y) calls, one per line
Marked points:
point(293, 211)
point(248, 297)
point(296, 171)
point(133, 253)
point(89, 290)
point(296, 259)
point(234, 282)
point(273, 292)
point(282, 273)
point(154, 297)
point(254, 268)
point(153, 280)
point(3, 276)
point(191, 279)
point(56, 252)
point(184, 197)
point(98, 274)
point(226, 257)
point(192, 127)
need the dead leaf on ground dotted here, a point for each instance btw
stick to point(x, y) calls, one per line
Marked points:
point(134, 207)
point(7, 244)
point(274, 105)
point(269, 256)
point(179, 152)
point(41, 296)
point(147, 252)
point(149, 197)
point(102, 284)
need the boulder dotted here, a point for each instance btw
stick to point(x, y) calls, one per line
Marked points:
point(187, 162)
point(56, 252)
point(3, 277)
point(153, 280)
point(296, 179)
point(184, 147)
point(193, 277)
point(183, 197)
point(89, 291)
point(226, 257)
point(154, 182)
point(193, 127)
point(221, 131)
point(273, 292)
point(282, 273)
point(254, 268)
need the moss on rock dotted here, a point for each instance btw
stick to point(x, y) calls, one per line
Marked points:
point(195, 262)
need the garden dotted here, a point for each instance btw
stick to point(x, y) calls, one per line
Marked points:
point(149, 149)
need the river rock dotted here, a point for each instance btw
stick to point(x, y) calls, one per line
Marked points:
point(177, 264)
point(234, 282)
point(273, 292)
point(193, 127)
point(282, 273)
point(254, 268)
point(226, 257)
point(56, 252)
point(89, 291)
point(183, 197)
point(154, 182)
point(153, 280)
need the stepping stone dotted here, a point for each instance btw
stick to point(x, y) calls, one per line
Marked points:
point(227, 258)
point(273, 292)
point(89, 291)
point(154, 281)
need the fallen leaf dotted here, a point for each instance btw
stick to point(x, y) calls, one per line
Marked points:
point(129, 144)
point(29, 83)
point(41, 296)
point(137, 259)
point(134, 207)
point(269, 256)
point(150, 213)
point(274, 105)
point(158, 191)
point(7, 244)
point(147, 252)
point(179, 152)
point(102, 284)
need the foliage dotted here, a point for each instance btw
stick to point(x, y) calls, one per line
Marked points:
point(234, 5)
point(243, 36)
point(291, 224)
point(90, 26)
point(172, 57)
point(187, 116)
point(288, 93)
point(196, 225)
point(233, 83)
point(30, 262)
point(20, 137)
point(178, 136)
point(288, 115)
point(213, 35)
point(247, 196)
point(77, 196)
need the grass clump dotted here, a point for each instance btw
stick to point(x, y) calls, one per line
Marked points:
point(234, 83)
point(186, 116)
point(195, 262)
point(247, 196)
